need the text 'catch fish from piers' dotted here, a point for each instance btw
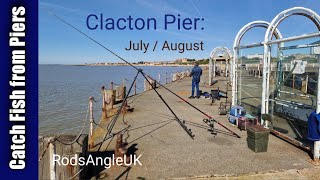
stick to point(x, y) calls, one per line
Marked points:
point(140, 71)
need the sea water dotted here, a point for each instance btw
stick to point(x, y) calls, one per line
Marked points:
point(64, 92)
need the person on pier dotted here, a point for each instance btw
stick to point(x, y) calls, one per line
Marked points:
point(196, 75)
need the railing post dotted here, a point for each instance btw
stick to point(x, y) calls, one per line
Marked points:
point(91, 115)
point(111, 85)
point(91, 99)
point(121, 92)
point(159, 77)
point(166, 78)
point(145, 87)
point(104, 104)
point(110, 98)
point(52, 164)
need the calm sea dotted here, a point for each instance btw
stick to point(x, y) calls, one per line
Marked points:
point(64, 92)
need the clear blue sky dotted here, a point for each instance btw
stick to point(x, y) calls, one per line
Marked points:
point(59, 44)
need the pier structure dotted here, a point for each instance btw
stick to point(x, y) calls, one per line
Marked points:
point(277, 100)
point(151, 130)
point(154, 131)
point(288, 84)
point(237, 46)
point(75, 146)
point(222, 55)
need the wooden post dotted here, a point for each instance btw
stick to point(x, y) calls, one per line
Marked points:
point(111, 85)
point(145, 87)
point(153, 84)
point(104, 108)
point(91, 99)
point(122, 92)
point(110, 98)
point(52, 164)
point(149, 84)
point(119, 145)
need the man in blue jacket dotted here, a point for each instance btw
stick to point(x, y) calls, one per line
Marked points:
point(196, 74)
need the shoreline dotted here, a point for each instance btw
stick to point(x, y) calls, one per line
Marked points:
point(140, 65)
point(173, 65)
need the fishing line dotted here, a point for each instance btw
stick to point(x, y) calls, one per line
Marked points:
point(113, 121)
point(140, 70)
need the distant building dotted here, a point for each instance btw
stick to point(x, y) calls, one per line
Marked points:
point(255, 56)
point(303, 56)
point(182, 60)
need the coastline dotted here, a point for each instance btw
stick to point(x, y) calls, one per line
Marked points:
point(141, 65)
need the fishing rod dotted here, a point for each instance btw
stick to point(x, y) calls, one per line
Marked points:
point(182, 124)
point(198, 110)
point(140, 70)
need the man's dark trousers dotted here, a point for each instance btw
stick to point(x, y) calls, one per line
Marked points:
point(195, 85)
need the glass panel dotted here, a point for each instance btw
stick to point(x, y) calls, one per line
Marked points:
point(293, 86)
point(250, 79)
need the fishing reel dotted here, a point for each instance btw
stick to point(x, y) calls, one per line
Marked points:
point(210, 123)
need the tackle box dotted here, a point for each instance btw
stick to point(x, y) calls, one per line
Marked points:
point(237, 111)
point(245, 121)
point(257, 138)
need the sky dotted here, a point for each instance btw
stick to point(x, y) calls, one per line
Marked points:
point(60, 44)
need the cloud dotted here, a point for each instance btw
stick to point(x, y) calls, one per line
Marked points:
point(160, 7)
point(56, 7)
point(195, 7)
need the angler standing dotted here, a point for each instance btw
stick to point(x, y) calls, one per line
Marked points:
point(196, 75)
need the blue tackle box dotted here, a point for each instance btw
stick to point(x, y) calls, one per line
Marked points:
point(237, 111)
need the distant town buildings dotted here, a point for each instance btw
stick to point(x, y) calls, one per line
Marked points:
point(181, 61)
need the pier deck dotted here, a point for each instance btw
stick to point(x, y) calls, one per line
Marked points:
point(168, 152)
